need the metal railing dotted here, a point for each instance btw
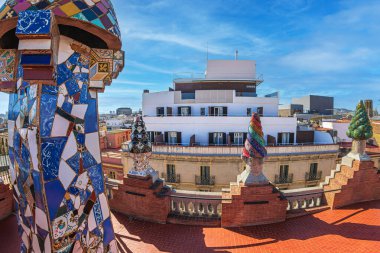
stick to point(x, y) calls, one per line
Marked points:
point(171, 178)
point(278, 179)
point(202, 180)
point(313, 177)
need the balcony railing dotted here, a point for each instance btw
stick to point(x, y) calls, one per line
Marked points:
point(196, 204)
point(278, 179)
point(304, 198)
point(313, 177)
point(201, 180)
point(171, 178)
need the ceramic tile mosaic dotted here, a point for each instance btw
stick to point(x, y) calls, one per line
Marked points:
point(97, 12)
point(7, 64)
point(54, 149)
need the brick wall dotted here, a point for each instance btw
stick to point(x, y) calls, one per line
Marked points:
point(138, 197)
point(358, 183)
point(252, 205)
point(6, 201)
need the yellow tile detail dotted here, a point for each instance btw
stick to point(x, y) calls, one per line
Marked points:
point(70, 9)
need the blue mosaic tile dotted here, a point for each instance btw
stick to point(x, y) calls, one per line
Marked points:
point(38, 189)
point(108, 232)
point(63, 73)
point(17, 143)
point(81, 77)
point(54, 194)
point(84, 195)
point(88, 160)
point(42, 233)
point(47, 110)
point(96, 176)
point(51, 151)
point(80, 138)
point(14, 107)
point(97, 212)
point(34, 22)
point(35, 59)
point(91, 118)
point(72, 87)
point(50, 89)
point(25, 157)
point(73, 59)
point(67, 107)
point(73, 162)
point(84, 94)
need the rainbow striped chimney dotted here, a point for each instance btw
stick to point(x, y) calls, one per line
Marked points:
point(253, 154)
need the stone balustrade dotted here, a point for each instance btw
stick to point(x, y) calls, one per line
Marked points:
point(303, 198)
point(196, 204)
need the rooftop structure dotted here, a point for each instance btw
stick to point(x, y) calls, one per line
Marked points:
point(312, 104)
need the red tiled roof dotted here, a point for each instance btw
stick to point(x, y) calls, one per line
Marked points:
point(353, 229)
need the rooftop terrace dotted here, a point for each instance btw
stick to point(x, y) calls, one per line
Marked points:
point(352, 229)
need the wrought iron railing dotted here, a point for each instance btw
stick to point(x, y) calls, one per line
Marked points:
point(203, 180)
point(279, 179)
point(313, 176)
point(171, 178)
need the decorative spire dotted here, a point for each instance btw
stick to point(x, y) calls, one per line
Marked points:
point(253, 154)
point(254, 146)
point(140, 150)
point(360, 130)
point(360, 127)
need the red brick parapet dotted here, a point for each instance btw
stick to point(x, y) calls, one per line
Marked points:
point(359, 182)
point(141, 198)
point(6, 201)
point(252, 205)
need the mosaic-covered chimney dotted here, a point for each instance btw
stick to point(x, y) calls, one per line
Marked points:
point(253, 154)
point(140, 149)
point(55, 57)
point(360, 130)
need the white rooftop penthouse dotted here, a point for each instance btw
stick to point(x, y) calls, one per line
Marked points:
point(215, 108)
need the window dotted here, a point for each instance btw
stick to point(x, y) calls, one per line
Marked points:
point(249, 111)
point(218, 138)
point(313, 170)
point(203, 111)
point(284, 171)
point(172, 138)
point(260, 111)
point(285, 138)
point(184, 111)
point(160, 111)
point(170, 170)
point(218, 111)
point(238, 138)
point(205, 172)
point(112, 175)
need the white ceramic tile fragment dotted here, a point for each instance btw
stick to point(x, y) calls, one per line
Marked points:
point(25, 239)
point(65, 50)
point(41, 219)
point(32, 141)
point(96, 84)
point(91, 221)
point(11, 130)
point(79, 110)
point(92, 145)
point(36, 245)
point(93, 93)
point(47, 244)
point(70, 147)
point(60, 126)
point(34, 44)
point(82, 181)
point(104, 206)
point(65, 174)
point(61, 99)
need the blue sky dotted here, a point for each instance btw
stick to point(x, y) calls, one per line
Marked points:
point(301, 47)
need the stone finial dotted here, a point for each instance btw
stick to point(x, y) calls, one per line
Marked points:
point(140, 149)
point(360, 130)
point(253, 154)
